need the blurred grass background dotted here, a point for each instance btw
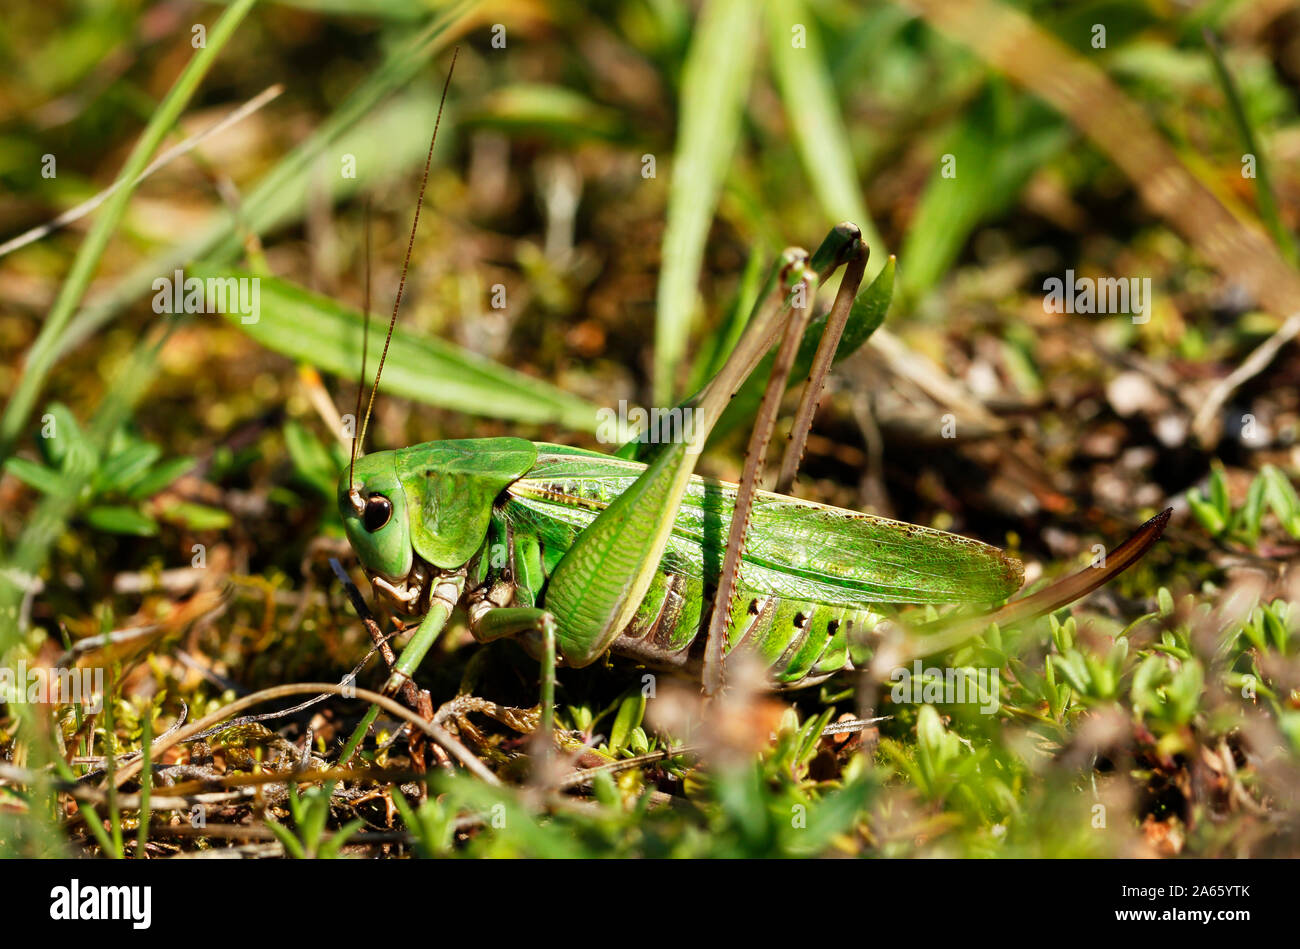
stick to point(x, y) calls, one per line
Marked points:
point(618, 172)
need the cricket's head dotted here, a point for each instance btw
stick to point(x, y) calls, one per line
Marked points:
point(412, 513)
point(373, 505)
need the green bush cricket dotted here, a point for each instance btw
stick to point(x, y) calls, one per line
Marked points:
point(577, 553)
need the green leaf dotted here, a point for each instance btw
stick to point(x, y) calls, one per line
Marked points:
point(1115, 658)
point(362, 125)
point(605, 790)
point(936, 746)
point(1274, 625)
point(123, 469)
point(160, 477)
point(834, 814)
point(387, 137)
point(1184, 691)
point(401, 11)
point(35, 475)
point(287, 840)
point(1265, 200)
point(554, 111)
point(330, 849)
point(1219, 493)
point(630, 712)
point(1055, 693)
point(198, 517)
point(320, 331)
point(1206, 513)
point(1075, 671)
point(120, 519)
point(1282, 499)
point(716, 346)
point(809, 736)
point(424, 845)
point(63, 432)
point(715, 80)
point(315, 813)
point(638, 742)
point(1253, 628)
point(1251, 516)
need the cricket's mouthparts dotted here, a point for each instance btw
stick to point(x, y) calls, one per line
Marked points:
point(407, 593)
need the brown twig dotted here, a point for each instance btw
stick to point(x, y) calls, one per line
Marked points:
point(438, 734)
point(170, 155)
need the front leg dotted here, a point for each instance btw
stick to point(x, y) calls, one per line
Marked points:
point(443, 598)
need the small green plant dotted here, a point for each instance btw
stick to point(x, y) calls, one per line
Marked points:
point(310, 812)
point(1167, 691)
point(1094, 678)
point(432, 824)
point(115, 497)
point(1269, 491)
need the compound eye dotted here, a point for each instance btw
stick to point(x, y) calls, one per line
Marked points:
point(378, 510)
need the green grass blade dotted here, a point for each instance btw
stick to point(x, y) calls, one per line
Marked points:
point(285, 188)
point(44, 350)
point(1264, 199)
point(389, 140)
point(808, 92)
point(401, 11)
point(327, 334)
point(110, 766)
point(715, 80)
point(146, 781)
point(358, 735)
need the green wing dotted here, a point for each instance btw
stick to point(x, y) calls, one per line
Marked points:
point(795, 548)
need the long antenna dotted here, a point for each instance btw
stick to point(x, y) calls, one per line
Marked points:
point(361, 381)
point(410, 245)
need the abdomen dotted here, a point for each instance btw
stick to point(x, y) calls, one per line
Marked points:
point(800, 642)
